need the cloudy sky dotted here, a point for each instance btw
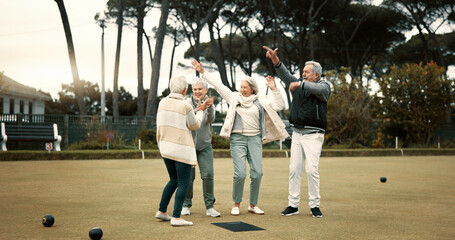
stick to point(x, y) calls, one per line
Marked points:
point(33, 49)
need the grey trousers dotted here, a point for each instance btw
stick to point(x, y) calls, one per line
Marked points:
point(205, 163)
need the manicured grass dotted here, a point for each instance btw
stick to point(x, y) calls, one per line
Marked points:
point(122, 196)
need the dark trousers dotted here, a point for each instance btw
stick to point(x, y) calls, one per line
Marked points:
point(179, 178)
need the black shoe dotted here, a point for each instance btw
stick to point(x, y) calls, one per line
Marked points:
point(290, 211)
point(316, 212)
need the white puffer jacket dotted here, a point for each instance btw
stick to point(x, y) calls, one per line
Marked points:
point(275, 128)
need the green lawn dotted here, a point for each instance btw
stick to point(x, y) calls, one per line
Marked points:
point(122, 196)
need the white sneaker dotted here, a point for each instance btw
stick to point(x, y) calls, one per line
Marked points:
point(213, 213)
point(235, 211)
point(185, 211)
point(162, 216)
point(180, 222)
point(255, 210)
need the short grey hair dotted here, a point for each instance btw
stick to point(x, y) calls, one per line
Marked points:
point(317, 68)
point(197, 80)
point(178, 84)
point(253, 84)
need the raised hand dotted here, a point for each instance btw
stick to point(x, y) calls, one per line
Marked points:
point(272, 54)
point(202, 106)
point(197, 66)
point(270, 82)
point(209, 101)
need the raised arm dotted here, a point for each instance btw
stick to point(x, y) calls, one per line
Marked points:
point(281, 70)
point(278, 103)
point(224, 91)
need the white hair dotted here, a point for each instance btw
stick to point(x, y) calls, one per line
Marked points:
point(253, 84)
point(178, 84)
point(317, 68)
point(197, 80)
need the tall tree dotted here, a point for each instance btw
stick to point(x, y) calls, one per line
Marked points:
point(140, 8)
point(428, 17)
point(72, 56)
point(348, 112)
point(414, 100)
point(152, 103)
point(177, 36)
point(117, 57)
point(193, 15)
point(135, 12)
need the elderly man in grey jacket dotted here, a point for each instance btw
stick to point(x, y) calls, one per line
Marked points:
point(308, 118)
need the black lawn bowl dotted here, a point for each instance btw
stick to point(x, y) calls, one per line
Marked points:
point(383, 179)
point(95, 233)
point(48, 220)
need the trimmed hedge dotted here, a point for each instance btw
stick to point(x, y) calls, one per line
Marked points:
point(218, 153)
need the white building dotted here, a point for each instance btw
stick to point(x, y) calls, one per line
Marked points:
point(16, 98)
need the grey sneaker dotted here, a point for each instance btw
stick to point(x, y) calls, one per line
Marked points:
point(289, 211)
point(316, 212)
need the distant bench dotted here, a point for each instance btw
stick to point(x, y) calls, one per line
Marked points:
point(37, 133)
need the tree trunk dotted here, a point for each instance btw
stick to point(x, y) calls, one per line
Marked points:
point(172, 56)
point(140, 67)
point(117, 60)
point(78, 86)
point(218, 56)
point(152, 101)
point(149, 46)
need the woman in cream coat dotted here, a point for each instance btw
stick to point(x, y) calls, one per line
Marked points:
point(251, 121)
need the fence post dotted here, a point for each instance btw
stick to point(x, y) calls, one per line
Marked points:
point(439, 142)
point(396, 142)
point(66, 123)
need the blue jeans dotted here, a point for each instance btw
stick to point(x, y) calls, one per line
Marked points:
point(179, 178)
point(243, 149)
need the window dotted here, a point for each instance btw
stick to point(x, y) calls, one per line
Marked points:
point(21, 106)
point(1, 106)
point(11, 106)
point(30, 105)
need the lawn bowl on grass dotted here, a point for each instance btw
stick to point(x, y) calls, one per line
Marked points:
point(95, 233)
point(48, 220)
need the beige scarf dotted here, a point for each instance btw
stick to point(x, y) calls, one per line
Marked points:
point(247, 102)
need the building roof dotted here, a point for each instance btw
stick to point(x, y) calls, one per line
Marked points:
point(12, 88)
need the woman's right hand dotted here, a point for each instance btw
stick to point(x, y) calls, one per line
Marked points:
point(197, 66)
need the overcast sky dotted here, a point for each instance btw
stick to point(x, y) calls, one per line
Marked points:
point(33, 49)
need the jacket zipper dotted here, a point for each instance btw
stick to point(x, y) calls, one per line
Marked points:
point(317, 112)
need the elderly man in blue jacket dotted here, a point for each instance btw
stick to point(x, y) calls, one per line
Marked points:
point(308, 118)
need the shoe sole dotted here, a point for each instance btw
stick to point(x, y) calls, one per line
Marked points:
point(213, 216)
point(290, 214)
point(316, 216)
point(255, 213)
